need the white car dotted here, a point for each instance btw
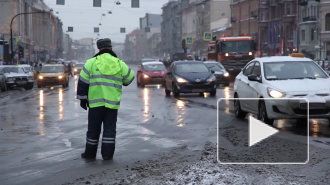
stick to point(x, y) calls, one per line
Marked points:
point(17, 77)
point(283, 77)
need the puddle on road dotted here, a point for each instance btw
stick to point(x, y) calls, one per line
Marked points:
point(317, 127)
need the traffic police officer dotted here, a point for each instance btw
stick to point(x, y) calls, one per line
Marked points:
point(100, 88)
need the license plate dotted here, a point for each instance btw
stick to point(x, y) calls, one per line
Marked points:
point(313, 106)
point(198, 90)
point(21, 82)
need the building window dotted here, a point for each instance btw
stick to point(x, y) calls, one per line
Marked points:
point(327, 22)
point(312, 34)
point(288, 9)
point(303, 35)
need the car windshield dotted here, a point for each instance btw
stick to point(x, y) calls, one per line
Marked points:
point(214, 66)
point(237, 46)
point(27, 69)
point(154, 67)
point(293, 70)
point(52, 69)
point(12, 70)
point(191, 68)
point(147, 60)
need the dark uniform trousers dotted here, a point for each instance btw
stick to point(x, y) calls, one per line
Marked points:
point(97, 116)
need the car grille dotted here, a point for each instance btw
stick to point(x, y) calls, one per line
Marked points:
point(21, 78)
point(311, 111)
point(51, 79)
point(313, 106)
point(195, 86)
point(236, 62)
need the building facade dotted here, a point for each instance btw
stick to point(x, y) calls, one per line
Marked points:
point(308, 39)
point(324, 12)
point(149, 25)
point(244, 18)
point(37, 36)
point(131, 47)
point(278, 23)
point(171, 28)
point(189, 23)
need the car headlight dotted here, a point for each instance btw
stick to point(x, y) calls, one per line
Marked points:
point(75, 70)
point(211, 79)
point(145, 76)
point(41, 77)
point(227, 54)
point(275, 94)
point(250, 53)
point(181, 80)
point(226, 74)
point(60, 77)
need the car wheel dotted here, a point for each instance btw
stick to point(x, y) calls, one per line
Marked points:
point(176, 92)
point(28, 87)
point(262, 114)
point(214, 92)
point(137, 82)
point(237, 108)
point(4, 88)
point(167, 92)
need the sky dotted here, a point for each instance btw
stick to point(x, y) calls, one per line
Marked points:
point(83, 17)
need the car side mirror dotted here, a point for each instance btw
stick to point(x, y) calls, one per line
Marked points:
point(212, 71)
point(254, 78)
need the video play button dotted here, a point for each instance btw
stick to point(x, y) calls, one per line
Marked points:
point(259, 131)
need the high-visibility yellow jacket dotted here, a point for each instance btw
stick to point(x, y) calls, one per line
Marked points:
point(101, 81)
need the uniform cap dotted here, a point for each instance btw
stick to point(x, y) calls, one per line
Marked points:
point(103, 43)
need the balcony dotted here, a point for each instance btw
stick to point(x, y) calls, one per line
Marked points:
point(310, 18)
point(303, 2)
point(254, 14)
point(273, 2)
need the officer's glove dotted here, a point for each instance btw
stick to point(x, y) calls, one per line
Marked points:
point(84, 104)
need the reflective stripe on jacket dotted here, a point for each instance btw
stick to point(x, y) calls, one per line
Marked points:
point(101, 81)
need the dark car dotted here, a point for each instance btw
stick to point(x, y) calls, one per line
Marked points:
point(150, 73)
point(78, 67)
point(3, 85)
point(189, 77)
point(219, 72)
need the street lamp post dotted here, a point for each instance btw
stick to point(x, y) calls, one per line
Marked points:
point(11, 29)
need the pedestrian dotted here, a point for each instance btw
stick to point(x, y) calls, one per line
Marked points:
point(70, 69)
point(100, 89)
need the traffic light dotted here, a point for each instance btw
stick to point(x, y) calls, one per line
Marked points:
point(60, 2)
point(97, 3)
point(20, 52)
point(135, 3)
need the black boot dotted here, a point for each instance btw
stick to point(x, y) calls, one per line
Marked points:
point(90, 152)
point(107, 151)
point(84, 156)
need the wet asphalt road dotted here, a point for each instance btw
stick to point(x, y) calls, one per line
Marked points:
point(43, 130)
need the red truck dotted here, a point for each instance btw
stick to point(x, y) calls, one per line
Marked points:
point(232, 52)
